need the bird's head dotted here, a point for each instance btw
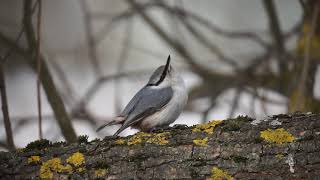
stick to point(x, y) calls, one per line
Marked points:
point(161, 74)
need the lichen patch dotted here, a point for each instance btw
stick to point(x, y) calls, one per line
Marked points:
point(159, 138)
point(99, 173)
point(201, 142)
point(53, 165)
point(34, 159)
point(278, 136)
point(76, 159)
point(218, 174)
point(208, 127)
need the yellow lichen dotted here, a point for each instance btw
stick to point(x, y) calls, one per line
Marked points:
point(140, 137)
point(279, 156)
point(208, 127)
point(33, 159)
point(159, 139)
point(120, 142)
point(278, 136)
point(201, 142)
point(53, 165)
point(100, 173)
point(218, 174)
point(137, 138)
point(81, 170)
point(76, 159)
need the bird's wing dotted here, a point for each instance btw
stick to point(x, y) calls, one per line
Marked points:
point(146, 102)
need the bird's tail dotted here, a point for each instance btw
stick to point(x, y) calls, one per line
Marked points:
point(117, 120)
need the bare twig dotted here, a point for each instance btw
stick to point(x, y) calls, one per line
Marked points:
point(5, 110)
point(208, 44)
point(206, 112)
point(275, 28)
point(52, 94)
point(196, 67)
point(235, 101)
point(90, 39)
point(39, 69)
point(69, 95)
point(212, 27)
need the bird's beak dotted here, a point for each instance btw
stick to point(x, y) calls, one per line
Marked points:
point(166, 68)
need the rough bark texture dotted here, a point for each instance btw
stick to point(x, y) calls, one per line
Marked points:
point(235, 147)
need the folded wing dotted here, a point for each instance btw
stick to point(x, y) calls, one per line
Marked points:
point(146, 102)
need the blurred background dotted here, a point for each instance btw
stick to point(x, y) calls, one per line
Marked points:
point(69, 66)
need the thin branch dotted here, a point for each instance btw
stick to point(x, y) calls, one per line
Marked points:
point(90, 39)
point(275, 28)
point(69, 95)
point(206, 112)
point(52, 94)
point(235, 101)
point(196, 67)
point(212, 27)
point(39, 69)
point(208, 44)
point(5, 110)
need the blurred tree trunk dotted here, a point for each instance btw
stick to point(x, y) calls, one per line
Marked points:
point(240, 148)
point(57, 105)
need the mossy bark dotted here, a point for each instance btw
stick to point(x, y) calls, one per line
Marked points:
point(235, 148)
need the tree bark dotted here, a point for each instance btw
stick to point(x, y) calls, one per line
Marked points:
point(240, 148)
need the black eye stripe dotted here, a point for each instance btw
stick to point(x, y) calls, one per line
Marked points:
point(165, 70)
point(164, 73)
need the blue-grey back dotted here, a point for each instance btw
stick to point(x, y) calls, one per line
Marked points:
point(147, 98)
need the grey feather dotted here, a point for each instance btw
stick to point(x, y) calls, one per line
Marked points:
point(155, 77)
point(146, 102)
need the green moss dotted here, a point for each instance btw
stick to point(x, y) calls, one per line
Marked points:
point(231, 125)
point(239, 159)
point(38, 144)
point(306, 138)
point(244, 118)
point(235, 124)
point(258, 139)
point(101, 164)
point(59, 144)
point(83, 139)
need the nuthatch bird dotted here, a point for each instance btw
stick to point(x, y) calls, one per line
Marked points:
point(158, 104)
